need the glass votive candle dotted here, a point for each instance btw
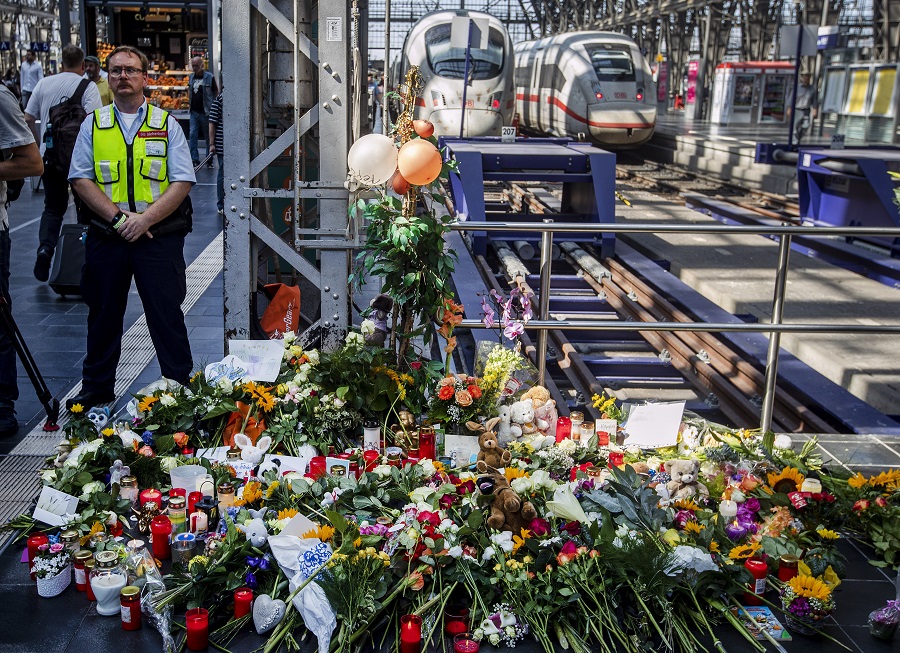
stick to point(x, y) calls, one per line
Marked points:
point(456, 619)
point(410, 633)
point(196, 621)
point(183, 551)
point(616, 458)
point(151, 494)
point(243, 599)
point(465, 643)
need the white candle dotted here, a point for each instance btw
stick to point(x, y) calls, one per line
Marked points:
point(728, 509)
point(199, 522)
point(812, 485)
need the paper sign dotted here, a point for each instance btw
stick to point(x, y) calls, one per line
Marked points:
point(463, 449)
point(653, 426)
point(288, 463)
point(216, 455)
point(608, 426)
point(261, 357)
point(231, 367)
point(53, 506)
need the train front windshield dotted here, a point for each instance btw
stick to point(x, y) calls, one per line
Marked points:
point(450, 62)
point(611, 64)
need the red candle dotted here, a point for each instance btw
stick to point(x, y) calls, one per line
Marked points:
point(192, 500)
point(616, 458)
point(243, 597)
point(456, 619)
point(161, 529)
point(317, 467)
point(151, 494)
point(410, 633)
point(177, 492)
point(35, 542)
point(465, 643)
point(371, 457)
point(197, 623)
point(759, 570)
point(563, 428)
point(426, 444)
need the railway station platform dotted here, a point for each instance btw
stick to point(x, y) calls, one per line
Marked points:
point(727, 152)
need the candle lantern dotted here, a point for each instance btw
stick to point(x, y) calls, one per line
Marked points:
point(108, 577)
point(426, 443)
point(128, 489)
point(410, 633)
point(130, 601)
point(196, 622)
point(161, 529)
point(151, 494)
point(35, 542)
point(563, 428)
point(177, 492)
point(465, 643)
point(728, 509)
point(243, 598)
point(758, 570)
point(192, 500)
point(208, 506)
point(226, 496)
point(177, 514)
point(81, 572)
point(456, 619)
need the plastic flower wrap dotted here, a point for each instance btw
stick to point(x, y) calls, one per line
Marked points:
point(502, 626)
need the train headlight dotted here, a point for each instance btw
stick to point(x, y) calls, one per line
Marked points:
point(640, 94)
point(598, 95)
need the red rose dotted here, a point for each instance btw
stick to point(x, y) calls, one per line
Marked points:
point(569, 548)
point(446, 393)
point(416, 365)
point(539, 526)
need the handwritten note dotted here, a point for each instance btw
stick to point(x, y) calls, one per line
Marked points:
point(653, 426)
point(262, 357)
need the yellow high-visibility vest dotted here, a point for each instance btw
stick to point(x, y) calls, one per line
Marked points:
point(132, 176)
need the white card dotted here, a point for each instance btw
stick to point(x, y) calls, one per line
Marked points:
point(53, 506)
point(215, 455)
point(289, 463)
point(462, 448)
point(261, 357)
point(653, 426)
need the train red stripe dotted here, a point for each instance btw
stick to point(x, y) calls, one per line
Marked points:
point(592, 123)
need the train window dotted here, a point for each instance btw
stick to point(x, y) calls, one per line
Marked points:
point(450, 62)
point(611, 64)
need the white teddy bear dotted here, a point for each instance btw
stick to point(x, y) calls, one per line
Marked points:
point(506, 430)
point(521, 414)
point(249, 452)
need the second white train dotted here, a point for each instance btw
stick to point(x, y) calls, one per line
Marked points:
point(595, 84)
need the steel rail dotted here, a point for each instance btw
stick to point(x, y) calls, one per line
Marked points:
point(618, 228)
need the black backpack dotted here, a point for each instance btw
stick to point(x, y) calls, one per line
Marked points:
point(63, 125)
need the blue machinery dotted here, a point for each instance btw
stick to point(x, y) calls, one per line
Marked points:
point(587, 174)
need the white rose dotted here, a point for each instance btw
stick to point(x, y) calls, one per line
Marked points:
point(313, 356)
point(494, 639)
point(420, 494)
point(427, 466)
point(91, 487)
point(355, 339)
point(522, 485)
point(167, 463)
point(568, 445)
point(225, 385)
point(289, 337)
point(783, 441)
point(383, 471)
point(542, 479)
point(455, 551)
point(167, 400)
point(339, 403)
point(48, 476)
point(367, 327)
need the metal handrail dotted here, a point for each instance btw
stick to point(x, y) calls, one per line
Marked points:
point(775, 328)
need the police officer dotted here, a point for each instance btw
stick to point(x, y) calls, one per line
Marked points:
point(132, 168)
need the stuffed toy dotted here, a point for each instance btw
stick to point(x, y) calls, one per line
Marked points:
point(522, 414)
point(252, 453)
point(684, 483)
point(506, 430)
point(99, 416)
point(544, 409)
point(508, 511)
point(382, 305)
point(256, 532)
point(492, 456)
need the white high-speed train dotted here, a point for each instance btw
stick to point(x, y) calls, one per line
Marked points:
point(593, 83)
point(490, 99)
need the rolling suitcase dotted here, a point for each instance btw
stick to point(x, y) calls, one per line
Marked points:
point(65, 274)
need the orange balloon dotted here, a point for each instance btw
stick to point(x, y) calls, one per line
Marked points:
point(399, 184)
point(424, 128)
point(419, 162)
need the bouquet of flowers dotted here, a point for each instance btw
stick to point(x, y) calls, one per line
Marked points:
point(806, 600)
point(51, 560)
point(459, 399)
point(502, 626)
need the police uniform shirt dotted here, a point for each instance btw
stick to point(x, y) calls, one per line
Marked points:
point(178, 160)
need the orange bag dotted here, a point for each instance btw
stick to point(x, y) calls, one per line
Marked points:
point(283, 312)
point(253, 429)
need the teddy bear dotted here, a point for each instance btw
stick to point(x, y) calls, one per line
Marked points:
point(382, 305)
point(544, 409)
point(508, 511)
point(252, 453)
point(684, 483)
point(99, 417)
point(491, 456)
point(521, 413)
point(506, 430)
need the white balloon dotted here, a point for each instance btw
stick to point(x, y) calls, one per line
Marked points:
point(372, 160)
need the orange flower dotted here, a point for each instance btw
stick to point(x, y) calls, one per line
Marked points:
point(451, 345)
point(463, 398)
point(416, 581)
point(445, 393)
point(475, 391)
point(181, 438)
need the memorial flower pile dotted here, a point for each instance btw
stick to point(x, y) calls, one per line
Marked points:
point(594, 548)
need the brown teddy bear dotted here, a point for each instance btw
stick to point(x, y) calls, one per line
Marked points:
point(492, 456)
point(508, 511)
point(684, 483)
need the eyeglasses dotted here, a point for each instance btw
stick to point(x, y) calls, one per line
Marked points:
point(125, 72)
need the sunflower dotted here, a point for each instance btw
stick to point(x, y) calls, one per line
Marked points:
point(693, 527)
point(886, 478)
point(271, 489)
point(97, 527)
point(77, 408)
point(827, 534)
point(519, 540)
point(145, 404)
point(324, 533)
point(810, 587)
point(787, 480)
point(513, 473)
point(744, 551)
point(857, 481)
point(287, 513)
point(252, 493)
point(686, 504)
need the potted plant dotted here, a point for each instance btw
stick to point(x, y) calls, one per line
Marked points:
point(53, 569)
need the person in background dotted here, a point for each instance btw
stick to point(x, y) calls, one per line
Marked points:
point(806, 105)
point(203, 91)
point(49, 92)
point(138, 222)
point(217, 140)
point(19, 158)
point(92, 72)
point(11, 81)
point(29, 76)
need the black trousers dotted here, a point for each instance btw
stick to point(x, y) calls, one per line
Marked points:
point(157, 266)
point(9, 389)
point(56, 201)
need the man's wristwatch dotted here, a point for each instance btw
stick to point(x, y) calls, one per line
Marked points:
point(118, 220)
